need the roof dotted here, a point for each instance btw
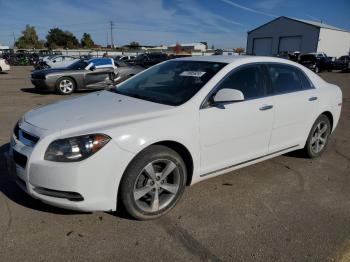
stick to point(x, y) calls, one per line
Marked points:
point(216, 58)
point(312, 23)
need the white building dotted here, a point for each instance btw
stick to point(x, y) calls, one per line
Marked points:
point(189, 47)
point(285, 34)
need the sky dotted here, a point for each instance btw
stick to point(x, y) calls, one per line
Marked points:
point(222, 23)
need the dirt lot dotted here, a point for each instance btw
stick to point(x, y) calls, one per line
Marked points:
point(285, 209)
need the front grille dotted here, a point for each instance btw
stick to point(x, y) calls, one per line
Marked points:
point(28, 140)
point(20, 159)
point(37, 76)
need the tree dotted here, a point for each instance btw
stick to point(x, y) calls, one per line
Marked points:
point(177, 48)
point(59, 38)
point(212, 47)
point(239, 50)
point(29, 38)
point(134, 45)
point(86, 41)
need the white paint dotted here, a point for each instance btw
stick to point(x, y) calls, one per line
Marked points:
point(333, 42)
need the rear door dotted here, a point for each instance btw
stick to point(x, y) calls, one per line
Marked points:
point(296, 104)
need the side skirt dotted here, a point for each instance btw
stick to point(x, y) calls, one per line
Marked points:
point(248, 162)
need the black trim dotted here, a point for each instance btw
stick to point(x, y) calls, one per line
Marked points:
point(20, 159)
point(71, 196)
point(247, 161)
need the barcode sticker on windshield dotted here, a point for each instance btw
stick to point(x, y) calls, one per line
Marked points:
point(192, 73)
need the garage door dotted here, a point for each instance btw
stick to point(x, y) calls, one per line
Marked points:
point(289, 44)
point(262, 46)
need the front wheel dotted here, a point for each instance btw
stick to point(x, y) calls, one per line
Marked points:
point(153, 183)
point(317, 69)
point(318, 137)
point(65, 86)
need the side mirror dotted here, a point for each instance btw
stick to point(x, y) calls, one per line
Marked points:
point(227, 95)
point(54, 61)
point(92, 68)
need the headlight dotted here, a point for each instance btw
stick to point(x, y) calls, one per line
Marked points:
point(75, 148)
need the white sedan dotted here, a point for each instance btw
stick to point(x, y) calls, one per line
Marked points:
point(175, 124)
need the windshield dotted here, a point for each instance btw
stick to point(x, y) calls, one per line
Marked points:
point(81, 64)
point(171, 83)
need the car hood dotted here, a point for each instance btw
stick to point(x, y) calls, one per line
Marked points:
point(93, 111)
point(51, 70)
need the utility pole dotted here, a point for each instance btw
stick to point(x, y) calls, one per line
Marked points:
point(107, 39)
point(112, 40)
point(14, 39)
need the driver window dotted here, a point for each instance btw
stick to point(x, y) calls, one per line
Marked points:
point(249, 80)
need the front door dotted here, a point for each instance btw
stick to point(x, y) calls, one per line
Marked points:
point(234, 133)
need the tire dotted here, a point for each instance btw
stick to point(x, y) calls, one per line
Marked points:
point(65, 86)
point(145, 198)
point(317, 140)
point(0, 69)
point(317, 70)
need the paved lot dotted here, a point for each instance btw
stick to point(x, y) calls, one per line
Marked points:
point(285, 209)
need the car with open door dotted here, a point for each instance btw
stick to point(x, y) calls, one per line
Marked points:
point(97, 73)
point(173, 125)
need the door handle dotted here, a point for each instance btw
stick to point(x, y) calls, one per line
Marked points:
point(313, 98)
point(265, 107)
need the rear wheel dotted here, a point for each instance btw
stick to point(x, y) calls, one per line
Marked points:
point(65, 86)
point(318, 137)
point(153, 183)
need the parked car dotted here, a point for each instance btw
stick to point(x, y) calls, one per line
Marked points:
point(125, 71)
point(92, 74)
point(317, 62)
point(175, 124)
point(4, 65)
point(342, 63)
point(55, 61)
point(149, 59)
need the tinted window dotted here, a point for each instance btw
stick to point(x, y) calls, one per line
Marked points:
point(305, 81)
point(284, 79)
point(249, 80)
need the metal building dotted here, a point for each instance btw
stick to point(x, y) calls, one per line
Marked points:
point(286, 34)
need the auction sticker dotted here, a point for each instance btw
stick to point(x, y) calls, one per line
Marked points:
point(192, 73)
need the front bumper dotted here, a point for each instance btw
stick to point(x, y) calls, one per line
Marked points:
point(88, 185)
point(43, 84)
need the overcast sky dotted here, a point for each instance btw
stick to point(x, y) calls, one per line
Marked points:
point(223, 23)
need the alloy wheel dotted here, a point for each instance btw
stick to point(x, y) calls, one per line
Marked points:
point(66, 86)
point(157, 185)
point(319, 137)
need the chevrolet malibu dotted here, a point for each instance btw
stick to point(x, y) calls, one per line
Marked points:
point(173, 125)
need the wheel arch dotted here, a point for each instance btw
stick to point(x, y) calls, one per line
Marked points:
point(183, 152)
point(329, 115)
point(69, 76)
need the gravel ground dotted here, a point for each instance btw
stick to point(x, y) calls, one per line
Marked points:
point(285, 209)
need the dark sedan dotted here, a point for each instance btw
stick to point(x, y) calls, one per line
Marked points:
point(92, 74)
